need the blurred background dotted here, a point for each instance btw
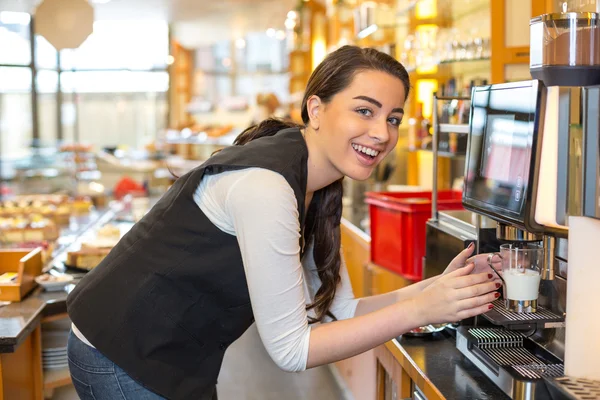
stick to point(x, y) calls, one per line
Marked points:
point(104, 102)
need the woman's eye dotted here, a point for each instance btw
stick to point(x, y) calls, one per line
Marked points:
point(395, 121)
point(364, 111)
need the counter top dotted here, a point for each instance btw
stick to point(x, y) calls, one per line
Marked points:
point(440, 369)
point(19, 319)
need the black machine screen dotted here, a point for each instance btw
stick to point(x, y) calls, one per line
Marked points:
point(503, 130)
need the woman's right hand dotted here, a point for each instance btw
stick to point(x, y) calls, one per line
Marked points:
point(456, 296)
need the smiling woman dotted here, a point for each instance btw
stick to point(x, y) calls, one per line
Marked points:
point(253, 234)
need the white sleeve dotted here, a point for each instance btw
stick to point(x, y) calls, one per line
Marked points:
point(264, 215)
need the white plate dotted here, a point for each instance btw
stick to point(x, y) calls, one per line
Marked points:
point(54, 358)
point(61, 366)
point(52, 286)
point(55, 341)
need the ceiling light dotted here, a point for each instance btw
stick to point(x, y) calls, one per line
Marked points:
point(292, 15)
point(240, 43)
point(14, 18)
point(367, 31)
point(271, 32)
point(290, 23)
point(170, 60)
point(280, 35)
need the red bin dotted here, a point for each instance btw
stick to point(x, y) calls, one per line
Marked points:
point(398, 221)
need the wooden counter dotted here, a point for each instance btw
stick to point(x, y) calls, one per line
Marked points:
point(21, 323)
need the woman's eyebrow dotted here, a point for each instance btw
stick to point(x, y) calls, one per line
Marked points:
point(376, 103)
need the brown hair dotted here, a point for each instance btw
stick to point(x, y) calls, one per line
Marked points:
point(333, 75)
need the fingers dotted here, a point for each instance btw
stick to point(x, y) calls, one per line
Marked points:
point(463, 256)
point(482, 260)
point(472, 312)
point(476, 305)
point(466, 270)
point(478, 295)
point(460, 281)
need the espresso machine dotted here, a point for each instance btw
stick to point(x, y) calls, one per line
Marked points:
point(533, 167)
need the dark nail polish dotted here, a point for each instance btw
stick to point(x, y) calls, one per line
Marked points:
point(471, 245)
point(496, 295)
point(498, 285)
point(490, 276)
point(490, 307)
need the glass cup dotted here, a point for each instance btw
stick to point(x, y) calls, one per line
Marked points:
point(521, 271)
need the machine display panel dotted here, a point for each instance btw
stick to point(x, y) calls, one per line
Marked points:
point(500, 156)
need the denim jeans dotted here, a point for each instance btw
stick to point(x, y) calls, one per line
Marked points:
point(95, 377)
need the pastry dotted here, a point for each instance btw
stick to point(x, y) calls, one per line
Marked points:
point(87, 258)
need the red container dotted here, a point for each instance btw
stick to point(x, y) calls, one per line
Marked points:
point(398, 222)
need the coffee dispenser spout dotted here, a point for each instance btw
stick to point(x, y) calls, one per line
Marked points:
point(550, 263)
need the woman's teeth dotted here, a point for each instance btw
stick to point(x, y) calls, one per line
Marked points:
point(366, 150)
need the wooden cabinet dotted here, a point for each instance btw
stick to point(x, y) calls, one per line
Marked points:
point(21, 371)
point(399, 377)
point(362, 373)
point(393, 382)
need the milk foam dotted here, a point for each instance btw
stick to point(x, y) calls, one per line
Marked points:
point(521, 285)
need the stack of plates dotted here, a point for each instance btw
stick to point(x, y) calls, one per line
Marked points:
point(54, 349)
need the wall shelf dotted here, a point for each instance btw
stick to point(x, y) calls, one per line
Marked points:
point(454, 128)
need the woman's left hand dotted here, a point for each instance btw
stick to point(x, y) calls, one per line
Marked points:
point(480, 261)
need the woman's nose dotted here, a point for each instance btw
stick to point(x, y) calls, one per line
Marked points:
point(380, 132)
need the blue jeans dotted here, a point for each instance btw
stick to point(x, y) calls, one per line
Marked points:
point(95, 377)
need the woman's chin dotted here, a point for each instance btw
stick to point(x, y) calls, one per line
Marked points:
point(359, 175)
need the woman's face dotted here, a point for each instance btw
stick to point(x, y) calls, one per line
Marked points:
point(359, 126)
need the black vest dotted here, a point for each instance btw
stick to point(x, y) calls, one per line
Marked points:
point(169, 299)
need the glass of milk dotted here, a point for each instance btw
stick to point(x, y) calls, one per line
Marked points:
point(521, 270)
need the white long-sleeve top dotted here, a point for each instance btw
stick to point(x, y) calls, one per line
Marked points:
point(259, 207)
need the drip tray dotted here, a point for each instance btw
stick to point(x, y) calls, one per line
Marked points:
point(513, 362)
point(541, 319)
point(568, 388)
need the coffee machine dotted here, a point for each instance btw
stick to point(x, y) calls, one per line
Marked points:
point(501, 174)
point(533, 167)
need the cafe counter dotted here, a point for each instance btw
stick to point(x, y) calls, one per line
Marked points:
point(428, 367)
point(24, 373)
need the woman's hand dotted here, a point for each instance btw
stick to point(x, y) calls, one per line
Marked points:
point(457, 295)
point(481, 263)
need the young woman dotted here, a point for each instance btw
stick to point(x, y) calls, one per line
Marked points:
point(253, 235)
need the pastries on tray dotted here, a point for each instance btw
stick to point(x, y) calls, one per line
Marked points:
point(33, 228)
point(93, 251)
point(87, 258)
point(58, 208)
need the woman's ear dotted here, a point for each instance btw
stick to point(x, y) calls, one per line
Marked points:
point(314, 106)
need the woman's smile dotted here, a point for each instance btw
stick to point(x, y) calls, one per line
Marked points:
point(368, 156)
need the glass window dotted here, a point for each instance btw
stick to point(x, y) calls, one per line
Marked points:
point(250, 85)
point(14, 38)
point(45, 53)
point(136, 45)
point(47, 86)
point(265, 53)
point(68, 114)
point(222, 56)
point(15, 111)
point(114, 81)
point(111, 119)
point(114, 107)
point(223, 88)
